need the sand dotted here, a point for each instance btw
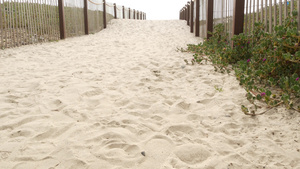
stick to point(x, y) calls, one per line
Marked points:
point(99, 101)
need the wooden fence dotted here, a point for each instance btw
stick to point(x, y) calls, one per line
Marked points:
point(238, 16)
point(25, 22)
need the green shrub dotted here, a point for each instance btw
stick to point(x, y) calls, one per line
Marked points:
point(267, 65)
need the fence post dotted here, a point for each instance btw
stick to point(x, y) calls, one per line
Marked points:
point(1, 27)
point(197, 18)
point(188, 13)
point(104, 14)
point(62, 24)
point(192, 16)
point(123, 8)
point(180, 17)
point(129, 13)
point(270, 16)
point(298, 17)
point(115, 11)
point(238, 17)
point(137, 15)
point(180, 12)
point(134, 14)
point(210, 18)
point(292, 7)
point(86, 21)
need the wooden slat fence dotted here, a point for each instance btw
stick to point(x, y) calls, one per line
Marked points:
point(203, 20)
point(269, 12)
point(239, 16)
point(126, 13)
point(74, 18)
point(119, 12)
point(95, 17)
point(223, 14)
point(27, 22)
point(24, 22)
point(109, 12)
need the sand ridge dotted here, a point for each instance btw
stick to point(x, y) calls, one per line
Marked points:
point(98, 101)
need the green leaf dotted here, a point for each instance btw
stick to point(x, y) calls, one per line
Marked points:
point(295, 75)
point(296, 88)
point(268, 93)
point(244, 109)
point(258, 97)
point(287, 56)
point(297, 54)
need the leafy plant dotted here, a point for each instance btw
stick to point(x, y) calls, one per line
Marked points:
point(266, 65)
point(219, 89)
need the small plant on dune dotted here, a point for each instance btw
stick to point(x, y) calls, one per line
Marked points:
point(219, 89)
point(266, 65)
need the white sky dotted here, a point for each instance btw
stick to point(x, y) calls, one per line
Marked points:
point(155, 9)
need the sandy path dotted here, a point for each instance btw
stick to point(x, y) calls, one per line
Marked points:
point(98, 101)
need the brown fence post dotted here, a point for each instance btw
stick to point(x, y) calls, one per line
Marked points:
point(86, 21)
point(238, 17)
point(210, 18)
point(137, 15)
point(62, 24)
point(1, 27)
point(129, 13)
point(192, 16)
point(134, 14)
point(185, 13)
point(197, 18)
point(298, 17)
point(180, 15)
point(123, 8)
point(104, 14)
point(188, 13)
point(115, 11)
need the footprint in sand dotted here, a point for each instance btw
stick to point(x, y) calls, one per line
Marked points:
point(194, 117)
point(74, 114)
point(192, 154)
point(113, 147)
point(184, 105)
point(92, 93)
point(156, 149)
point(56, 105)
point(180, 129)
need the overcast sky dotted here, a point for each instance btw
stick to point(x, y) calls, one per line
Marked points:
point(155, 9)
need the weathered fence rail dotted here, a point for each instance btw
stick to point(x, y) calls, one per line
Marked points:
point(238, 16)
point(25, 22)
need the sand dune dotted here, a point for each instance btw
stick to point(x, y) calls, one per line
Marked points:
point(99, 101)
